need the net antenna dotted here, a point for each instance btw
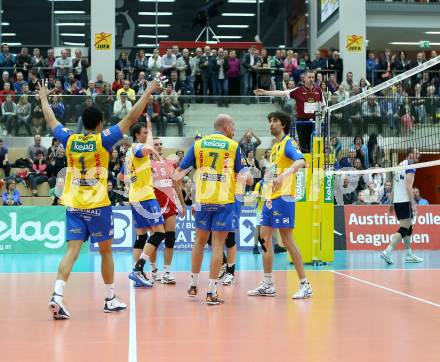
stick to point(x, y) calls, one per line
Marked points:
point(203, 17)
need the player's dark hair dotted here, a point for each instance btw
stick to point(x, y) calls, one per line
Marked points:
point(136, 129)
point(91, 118)
point(284, 119)
point(410, 150)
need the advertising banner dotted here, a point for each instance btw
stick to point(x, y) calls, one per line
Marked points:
point(371, 227)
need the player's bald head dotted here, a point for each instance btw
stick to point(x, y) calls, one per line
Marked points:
point(225, 124)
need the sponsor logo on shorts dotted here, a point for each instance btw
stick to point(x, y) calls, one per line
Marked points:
point(219, 223)
point(85, 182)
point(202, 222)
point(223, 145)
point(276, 213)
point(89, 146)
point(97, 235)
point(285, 220)
point(75, 231)
point(212, 177)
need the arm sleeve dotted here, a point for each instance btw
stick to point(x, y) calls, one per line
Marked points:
point(110, 136)
point(122, 171)
point(137, 150)
point(189, 159)
point(238, 166)
point(62, 134)
point(291, 151)
point(411, 170)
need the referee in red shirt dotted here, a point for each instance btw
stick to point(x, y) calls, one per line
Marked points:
point(307, 98)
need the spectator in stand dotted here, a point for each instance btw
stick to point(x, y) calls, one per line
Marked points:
point(233, 74)
point(420, 59)
point(336, 64)
point(325, 91)
point(141, 84)
point(265, 161)
point(418, 104)
point(38, 174)
point(72, 86)
point(11, 197)
point(220, 75)
point(80, 65)
point(122, 198)
point(57, 191)
point(198, 80)
point(63, 66)
point(119, 82)
point(185, 67)
point(332, 84)
point(348, 198)
point(37, 146)
point(207, 63)
point(361, 151)
point(121, 108)
point(370, 195)
point(88, 102)
point(123, 64)
point(25, 90)
point(37, 63)
point(9, 114)
point(319, 63)
point(187, 191)
point(349, 83)
point(33, 81)
point(99, 83)
point(114, 165)
point(58, 163)
point(105, 102)
point(290, 63)
point(23, 62)
point(24, 110)
point(5, 92)
point(250, 64)
point(170, 111)
point(7, 60)
point(387, 191)
point(407, 119)
point(335, 147)
point(155, 63)
point(53, 149)
point(19, 83)
point(401, 64)
point(375, 152)
point(5, 79)
point(247, 143)
point(432, 105)
point(49, 63)
point(58, 88)
point(417, 199)
point(371, 114)
point(4, 161)
point(112, 195)
point(342, 94)
point(169, 62)
point(384, 66)
point(58, 107)
point(175, 83)
point(91, 91)
point(175, 51)
point(128, 91)
point(362, 185)
point(140, 64)
point(364, 84)
point(276, 62)
point(253, 167)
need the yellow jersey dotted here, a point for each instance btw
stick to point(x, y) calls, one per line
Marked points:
point(137, 169)
point(284, 154)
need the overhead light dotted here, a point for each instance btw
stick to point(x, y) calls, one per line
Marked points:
point(233, 26)
point(147, 45)
point(73, 43)
point(153, 36)
point(281, 46)
point(69, 12)
point(244, 1)
point(432, 32)
point(238, 14)
point(153, 13)
point(410, 43)
point(9, 34)
point(14, 44)
point(6, 24)
point(154, 25)
point(73, 34)
point(71, 24)
point(229, 37)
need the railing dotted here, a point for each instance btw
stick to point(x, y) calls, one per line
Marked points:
point(378, 76)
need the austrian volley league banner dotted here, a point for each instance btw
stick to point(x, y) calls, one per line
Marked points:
point(371, 227)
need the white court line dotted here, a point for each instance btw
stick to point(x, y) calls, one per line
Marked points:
point(387, 289)
point(132, 339)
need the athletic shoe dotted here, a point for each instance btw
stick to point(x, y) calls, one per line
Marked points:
point(155, 276)
point(304, 292)
point(229, 278)
point(167, 278)
point(222, 271)
point(385, 255)
point(139, 278)
point(212, 299)
point(264, 290)
point(114, 305)
point(57, 309)
point(192, 291)
point(255, 250)
point(279, 249)
point(139, 284)
point(411, 258)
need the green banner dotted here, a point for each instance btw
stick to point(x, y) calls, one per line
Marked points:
point(32, 229)
point(328, 189)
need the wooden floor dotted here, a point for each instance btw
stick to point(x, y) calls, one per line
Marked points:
point(358, 315)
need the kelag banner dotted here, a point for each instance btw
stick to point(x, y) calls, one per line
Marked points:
point(371, 227)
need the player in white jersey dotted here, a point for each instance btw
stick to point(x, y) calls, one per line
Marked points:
point(405, 207)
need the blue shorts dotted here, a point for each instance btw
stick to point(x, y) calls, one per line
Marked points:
point(215, 217)
point(280, 215)
point(146, 213)
point(237, 212)
point(94, 223)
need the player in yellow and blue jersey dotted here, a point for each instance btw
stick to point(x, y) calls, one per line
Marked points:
point(279, 210)
point(88, 210)
point(217, 159)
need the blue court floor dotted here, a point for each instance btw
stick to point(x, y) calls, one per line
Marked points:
point(344, 260)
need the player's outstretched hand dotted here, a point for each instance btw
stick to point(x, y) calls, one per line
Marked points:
point(259, 92)
point(43, 91)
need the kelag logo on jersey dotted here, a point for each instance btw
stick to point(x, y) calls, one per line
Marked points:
point(223, 145)
point(83, 146)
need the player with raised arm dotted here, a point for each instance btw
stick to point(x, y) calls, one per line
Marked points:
point(88, 210)
point(405, 208)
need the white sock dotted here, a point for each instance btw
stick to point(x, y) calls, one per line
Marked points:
point(145, 257)
point(194, 279)
point(212, 286)
point(268, 278)
point(408, 252)
point(59, 288)
point(153, 266)
point(110, 290)
point(166, 268)
point(231, 265)
point(389, 248)
point(303, 281)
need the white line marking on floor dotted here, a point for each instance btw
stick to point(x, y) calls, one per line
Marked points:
point(387, 289)
point(132, 339)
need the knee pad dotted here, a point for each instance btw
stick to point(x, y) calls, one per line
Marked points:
point(140, 241)
point(156, 239)
point(230, 240)
point(170, 239)
point(209, 242)
point(404, 232)
point(410, 230)
point(261, 241)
